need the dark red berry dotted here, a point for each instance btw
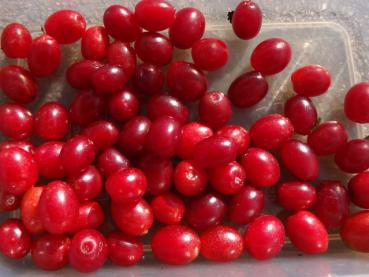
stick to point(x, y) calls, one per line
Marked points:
point(246, 20)
point(103, 134)
point(123, 55)
point(111, 161)
point(109, 79)
point(149, 79)
point(123, 105)
point(353, 157)
point(94, 44)
point(79, 73)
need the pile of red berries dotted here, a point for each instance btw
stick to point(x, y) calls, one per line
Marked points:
point(125, 152)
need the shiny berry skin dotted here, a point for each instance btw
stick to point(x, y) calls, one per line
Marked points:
point(175, 244)
point(124, 250)
point(16, 40)
point(87, 107)
point(18, 171)
point(77, 154)
point(166, 105)
point(302, 113)
point(358, 188)
point(296, 195)
point(44, 56)
point(111, 161)
point(154, 15)
point(238, 134)
point(248, 89)
point(215, 109)
point(264, 237)
point(94, 44)
point(354, 231)
point(271, 131)
point(246, 20)
point(180, 34)
point(66, 26)
point(328, 138)
point(121, 23)
point(190, 179)
point(186, 82)
point(307, 233)
point(205, 211)
point(79, 73)
point(50, 252)
point(271, 56)
point(300, 160)
point(215, 151)
point(22, 144)
point(353, 157)
point(133, 219)
point(210, 54)
point(357, 103)
point(90, 216)
point(58, 207)
point(86, 184)
point(48, 159)
point(163, 137)
point(158, 172)
point(221, 244)
point(109, 79)
point(16, 122)
point(333, 203)
point(18, 84)
point(133, 136)
point(148, 79)
point(102, 133)
point(154, 48)
point(126, 185)
point(51, 121)
point(246, 205)
point(123, 55)
point(311, 80)
point(88, 251)
point(29, 210)
point(261, 167)
point(168, 208)
point(15, 239)
point(227, 179)
point(123, 105)
point(9, 202)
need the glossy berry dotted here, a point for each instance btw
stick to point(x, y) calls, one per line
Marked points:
point(168, 208)
point(50, 252)
point(8, 201)
point(44, 56)
point(311, 80)
point(51, 121)
point(300, 160)
point(302, 113)
point(328, 138)
point(246, 205)
point(238, 134)
point(248, 89)
point(246, 20)
point(175, 244)
point(353, 157)
point(18, 171)
point(109, 79)
point(29, 210)
point(123, 55)
point(102, 133)
point(16, 40)
point(210, 53)
point(215, 109)
point(48, 159)
point(354, 231)
point(79, 73)
point(124, 250)
point(90, 216)
point(15, 239)
point(148, 79)
point(264, 237)
point(123, 105)
point(154, 15)
point(94, 44)
point(221, 244)
point(18, 84)
point(190, 179)
point(180, 35)
point(186, 82)
point(261, 167)
point(205, 211)
point(16, 122)
point(22, 144)
point(296, 195)
point(307, 233)
point(227, 179)
point(88, 251)
point(358, 188)
point(357, 103)
point(271, 131)
point(111, 161)
point(271, 56)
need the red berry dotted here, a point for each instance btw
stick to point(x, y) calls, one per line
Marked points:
point(248, 89)
point(353, 157)
point(16, 122)
point(175, 244)
point(22, 144)
point(15, 40)
point(8, 201)
point(221, 244)
point(18, 84)
point(357, 103)
point(311, 80)
point(103, 134)
point(123, 55)
point(190, 179)
point(307, 233)
point(90, 216)
point(227, 179)
point(238, 134)
point(48, 159)
point(94, 44)
point(296, 195)
point(354, 232)
point(109, 79)
point(271, 56)
point(246, 20)
point(79, 73)
point(264, 237)
point(123, 105)
point(15, 239)
point(210, 53)
point(359, 189)
point(111, 161)
point(168, 208)
point(30, 210)
point(149, 79)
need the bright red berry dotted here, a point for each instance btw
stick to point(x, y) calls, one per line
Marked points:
point(94, 44)
point(15, 239)
point(246, 20)
point(124, 250)
point(168, 208)
point(296, 195)
point(16, 40)
point(210, 53)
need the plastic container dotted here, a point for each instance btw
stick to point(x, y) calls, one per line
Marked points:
point(327, 33)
